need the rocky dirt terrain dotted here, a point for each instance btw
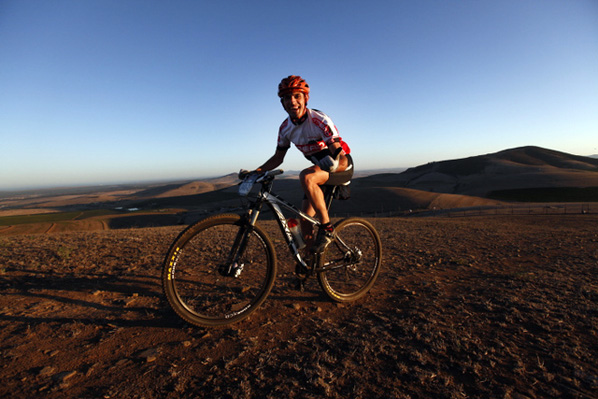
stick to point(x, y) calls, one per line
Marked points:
point(480, 307)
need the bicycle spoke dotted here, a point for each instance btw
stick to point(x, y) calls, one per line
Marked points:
point(205, 288)
point(349, 267)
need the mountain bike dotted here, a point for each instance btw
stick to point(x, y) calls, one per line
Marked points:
point(220, 269)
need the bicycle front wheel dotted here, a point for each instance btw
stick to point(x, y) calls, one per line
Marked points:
point(349, 266)
point(218, 271)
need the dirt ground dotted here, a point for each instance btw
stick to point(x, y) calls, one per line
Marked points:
point(480, 307)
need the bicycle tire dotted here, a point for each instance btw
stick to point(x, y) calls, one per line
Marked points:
point(351, 263)
point(193, 285)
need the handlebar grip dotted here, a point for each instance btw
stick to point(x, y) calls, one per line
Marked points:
point(269, 175)
point(275, 172)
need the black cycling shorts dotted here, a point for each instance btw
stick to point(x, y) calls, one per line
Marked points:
point(336, 179)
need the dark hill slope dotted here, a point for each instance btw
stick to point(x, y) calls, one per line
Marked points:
point(518, 168)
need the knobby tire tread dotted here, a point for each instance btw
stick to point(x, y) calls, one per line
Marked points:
point(375, 253)
point(168, 281)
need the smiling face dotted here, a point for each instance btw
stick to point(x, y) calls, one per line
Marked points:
point(295, 103)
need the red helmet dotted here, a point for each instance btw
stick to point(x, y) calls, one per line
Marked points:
point(293, 83)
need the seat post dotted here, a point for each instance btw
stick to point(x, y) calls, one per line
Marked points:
point(329, 195)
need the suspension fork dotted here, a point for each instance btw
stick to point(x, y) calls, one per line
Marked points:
point(233, 267)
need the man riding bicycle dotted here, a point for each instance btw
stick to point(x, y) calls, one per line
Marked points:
point(316, 136)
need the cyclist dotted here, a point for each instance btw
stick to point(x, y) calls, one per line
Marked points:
point(316, 136)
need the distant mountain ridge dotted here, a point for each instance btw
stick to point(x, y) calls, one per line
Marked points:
point(519, 174)
point(517, 168)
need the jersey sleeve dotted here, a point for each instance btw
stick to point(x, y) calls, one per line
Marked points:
point(329, 131)
point(327, 128)
point(283, 141)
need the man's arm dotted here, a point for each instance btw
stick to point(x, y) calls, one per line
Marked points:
point(274, 161)
point(336, 149)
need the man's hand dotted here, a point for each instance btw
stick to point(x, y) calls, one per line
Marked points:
point(244, 173)
point(326, 160)
point(327, 163)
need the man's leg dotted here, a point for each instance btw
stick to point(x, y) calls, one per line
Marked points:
point(307, 229)
point(311, 180)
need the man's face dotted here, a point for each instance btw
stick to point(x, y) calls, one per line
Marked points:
point(294, 103)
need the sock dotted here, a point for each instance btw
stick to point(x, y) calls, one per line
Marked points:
point(327, 227)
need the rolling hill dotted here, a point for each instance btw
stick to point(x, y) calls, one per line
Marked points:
point(519, 174)
point(472, 181)
point(519, 168)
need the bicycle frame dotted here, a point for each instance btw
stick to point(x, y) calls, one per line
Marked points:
point(275, 202)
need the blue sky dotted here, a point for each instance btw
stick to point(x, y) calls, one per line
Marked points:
point(103, 91)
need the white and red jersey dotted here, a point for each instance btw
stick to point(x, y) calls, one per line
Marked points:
point(313, 134)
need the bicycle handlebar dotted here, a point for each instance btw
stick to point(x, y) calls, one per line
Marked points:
point(273, 173)
point(250, 178)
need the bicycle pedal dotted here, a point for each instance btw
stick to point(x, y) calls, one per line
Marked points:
point(300, 285)
point(301, 272)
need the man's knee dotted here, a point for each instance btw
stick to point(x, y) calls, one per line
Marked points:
point(311, 176)
point(306, 174)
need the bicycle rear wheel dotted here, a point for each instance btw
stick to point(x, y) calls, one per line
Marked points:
point(203, 283)
point(350, 264)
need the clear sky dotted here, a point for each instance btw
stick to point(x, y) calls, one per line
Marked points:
point(103, 91)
